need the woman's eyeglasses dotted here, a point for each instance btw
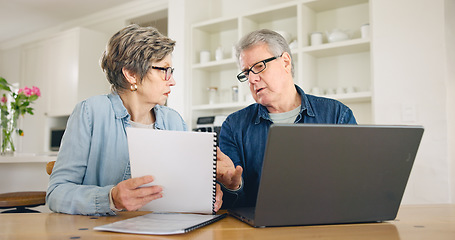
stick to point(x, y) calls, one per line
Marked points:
point(168, 71)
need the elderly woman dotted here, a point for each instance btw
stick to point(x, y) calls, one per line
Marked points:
point(92, 173)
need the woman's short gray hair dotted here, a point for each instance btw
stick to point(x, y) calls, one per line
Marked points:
point(133, 48)
point(275, 42)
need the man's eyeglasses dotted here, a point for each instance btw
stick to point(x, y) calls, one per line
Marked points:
point(167, 70)
point(256, 69)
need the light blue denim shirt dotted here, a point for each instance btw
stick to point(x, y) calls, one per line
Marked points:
point(243, 138)
point(93, 156)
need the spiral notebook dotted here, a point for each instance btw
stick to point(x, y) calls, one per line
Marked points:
point(161, 223)
point(183, 163)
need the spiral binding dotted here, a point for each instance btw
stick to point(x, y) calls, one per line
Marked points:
point(218, 217)
point(214, 173)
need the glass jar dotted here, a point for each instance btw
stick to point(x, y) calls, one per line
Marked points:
point(213, 94)
point(365, 30)
point(235, 93)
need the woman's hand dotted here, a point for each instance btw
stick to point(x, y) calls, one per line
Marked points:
point(130, 196)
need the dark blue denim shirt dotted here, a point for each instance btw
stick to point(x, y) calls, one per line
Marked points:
point(243, 138)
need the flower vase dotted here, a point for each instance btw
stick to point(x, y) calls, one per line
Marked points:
point(8, 134)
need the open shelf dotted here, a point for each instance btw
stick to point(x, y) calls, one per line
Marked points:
point(333, 65)
point(338, 48)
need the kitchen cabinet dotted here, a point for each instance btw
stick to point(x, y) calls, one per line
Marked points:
point(69, 68)
point(339, 70)
point(66, 68)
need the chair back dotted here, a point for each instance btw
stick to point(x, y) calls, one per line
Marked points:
point(50, 167)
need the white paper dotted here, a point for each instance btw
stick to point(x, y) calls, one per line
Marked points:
point(160, 223)
point(181, 162)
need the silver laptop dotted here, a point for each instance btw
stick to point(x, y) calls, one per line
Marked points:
point(332, 174)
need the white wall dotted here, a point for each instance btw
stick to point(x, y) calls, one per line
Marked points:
point(10, 65)
point(450, 66)
point(181, 15)
point(410, 87)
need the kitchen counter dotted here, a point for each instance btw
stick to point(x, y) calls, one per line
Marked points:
point(29, 157)
point(25, 171)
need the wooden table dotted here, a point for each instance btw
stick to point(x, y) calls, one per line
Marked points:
point(413, 222)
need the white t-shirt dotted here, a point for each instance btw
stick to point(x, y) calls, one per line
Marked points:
point(286, 117)
point(140, 125)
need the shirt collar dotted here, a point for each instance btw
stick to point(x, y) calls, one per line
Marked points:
point(159, 120)
point(117, 105)
point(305, 105)
point(121, 112)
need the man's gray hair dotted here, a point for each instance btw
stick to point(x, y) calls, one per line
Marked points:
point(275, 43)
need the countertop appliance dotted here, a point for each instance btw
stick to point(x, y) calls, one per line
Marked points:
point(210, 124)
point(56, 135)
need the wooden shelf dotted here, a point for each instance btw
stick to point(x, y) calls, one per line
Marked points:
point(325, 5)
point(338, 48)
point(275, 13)
point(355, 97)
point(214, 66)
point(221, 106)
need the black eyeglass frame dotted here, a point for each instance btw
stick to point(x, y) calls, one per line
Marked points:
point(247, 72)
point(168, 71)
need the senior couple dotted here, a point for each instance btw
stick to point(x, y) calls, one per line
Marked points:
point(92, 174)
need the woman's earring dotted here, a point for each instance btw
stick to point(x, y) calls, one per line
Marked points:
point(133, 87)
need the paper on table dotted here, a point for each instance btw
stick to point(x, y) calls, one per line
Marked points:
point(161, 223)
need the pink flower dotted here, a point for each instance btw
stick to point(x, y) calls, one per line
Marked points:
point(4, 100)
point(36, 91)
point(27, 91)
point(30, 91)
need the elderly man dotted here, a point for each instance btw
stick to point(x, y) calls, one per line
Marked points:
point(266, 63)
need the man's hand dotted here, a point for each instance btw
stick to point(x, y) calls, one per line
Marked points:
point(128, 195)
point(226, 173)
point(218, 198)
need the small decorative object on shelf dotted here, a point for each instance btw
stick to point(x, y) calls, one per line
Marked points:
point(316, 38)
point(12, 106)
point(205, 56)
point(213, 94)
point(235, 93)
point(219, 54)
point(337, 35)
point(365, 30)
